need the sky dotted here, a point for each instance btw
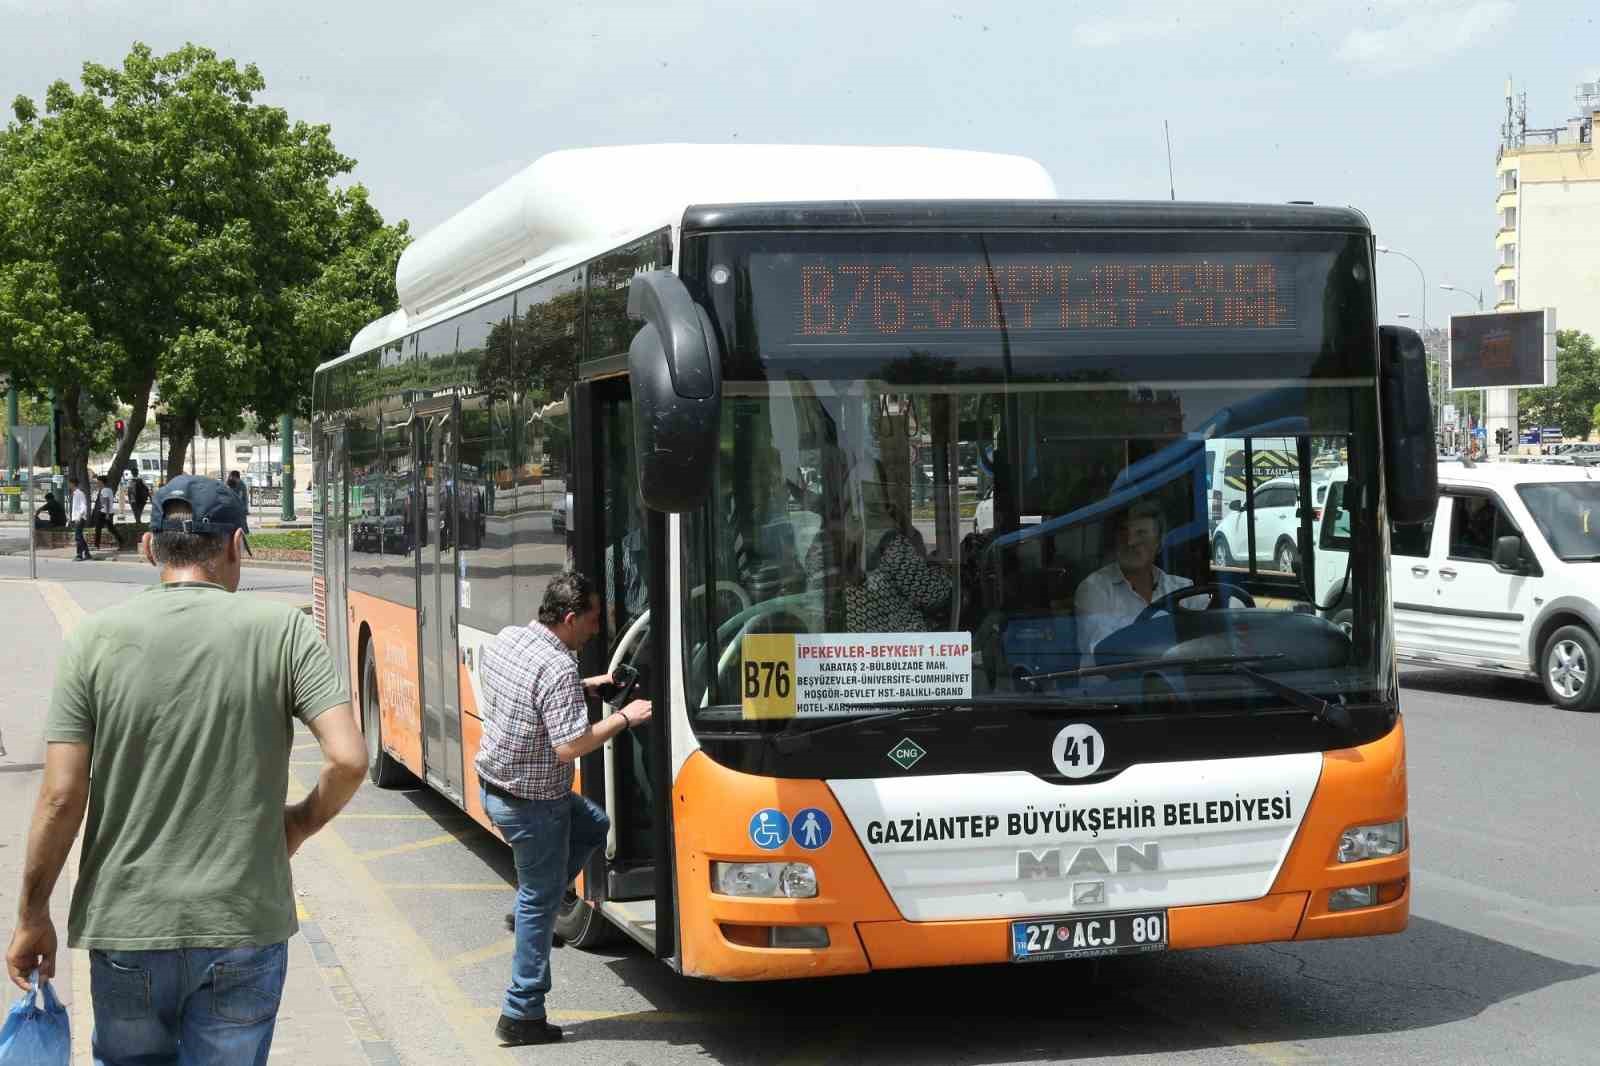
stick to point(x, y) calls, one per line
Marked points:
point(1391, 107)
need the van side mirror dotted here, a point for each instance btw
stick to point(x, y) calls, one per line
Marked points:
point(1235, 505)
point(1508, 554)
point(1410, 463)
point(675, 366)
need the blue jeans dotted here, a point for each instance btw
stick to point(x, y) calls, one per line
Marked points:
point(550, 841)
point(187, 1006)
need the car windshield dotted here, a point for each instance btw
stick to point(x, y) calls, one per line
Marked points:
point(945, 524)
point(1568, 514)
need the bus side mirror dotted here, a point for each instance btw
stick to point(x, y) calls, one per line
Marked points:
point(1410, 463)
point(675, 367)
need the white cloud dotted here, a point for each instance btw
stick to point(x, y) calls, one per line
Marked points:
point(1425, 36)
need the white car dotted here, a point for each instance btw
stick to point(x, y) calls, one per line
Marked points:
point(1277, 524)
point(983, 515)
point(1505, 579)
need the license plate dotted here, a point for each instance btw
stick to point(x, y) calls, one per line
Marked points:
point(1088, 936)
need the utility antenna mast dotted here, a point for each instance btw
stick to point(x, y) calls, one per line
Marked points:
point(1172, 189)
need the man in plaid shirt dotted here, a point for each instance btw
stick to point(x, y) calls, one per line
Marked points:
point(535, 725)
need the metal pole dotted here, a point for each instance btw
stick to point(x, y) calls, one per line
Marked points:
point(11, 444)
point(286, 484)
point(33, 547)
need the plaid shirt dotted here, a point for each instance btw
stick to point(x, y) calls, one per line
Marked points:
point(534, 701)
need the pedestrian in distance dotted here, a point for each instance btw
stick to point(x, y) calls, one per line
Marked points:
point(183, 897)
point(138, 497)
point(55, 514)
point(78, 515)
point(105, 509)
point(241, 490)
point(535, 725)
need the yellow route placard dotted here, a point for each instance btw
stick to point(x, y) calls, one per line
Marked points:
point(766, 675)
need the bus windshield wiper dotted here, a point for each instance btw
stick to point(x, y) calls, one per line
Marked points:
point(1133, 666)
point(1334, 715)
point(794, 739)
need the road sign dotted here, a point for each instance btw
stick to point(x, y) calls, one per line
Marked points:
point(1530, 436)
point(1552, 434)
point(28, 440)
point(1449, 414)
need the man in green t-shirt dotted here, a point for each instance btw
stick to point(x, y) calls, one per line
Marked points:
point(183, 895)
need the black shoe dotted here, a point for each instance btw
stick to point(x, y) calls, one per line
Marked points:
point(556, 939)
point(521, 1032)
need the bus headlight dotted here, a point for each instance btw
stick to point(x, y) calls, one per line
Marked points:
point(794, 880)
point(1372, 841)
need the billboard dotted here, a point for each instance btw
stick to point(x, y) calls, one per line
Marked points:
point(1508, 349)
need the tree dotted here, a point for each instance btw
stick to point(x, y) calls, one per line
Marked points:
point(162, 233)
point(1573, 402)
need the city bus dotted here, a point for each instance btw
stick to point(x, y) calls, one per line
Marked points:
point(762, 384)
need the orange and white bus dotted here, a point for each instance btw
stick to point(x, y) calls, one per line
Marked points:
point(765, 389)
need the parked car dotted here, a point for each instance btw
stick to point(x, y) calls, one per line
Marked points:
point(1505, 579)
point(559, 512)
point(1277, 522)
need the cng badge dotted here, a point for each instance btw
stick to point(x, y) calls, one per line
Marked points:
point(907, 753)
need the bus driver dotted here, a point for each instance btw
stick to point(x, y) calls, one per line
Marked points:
point(1112, 596)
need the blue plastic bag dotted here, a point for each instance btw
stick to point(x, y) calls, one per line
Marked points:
point(34, 1035)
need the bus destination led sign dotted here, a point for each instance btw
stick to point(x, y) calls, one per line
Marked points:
point(853, 297)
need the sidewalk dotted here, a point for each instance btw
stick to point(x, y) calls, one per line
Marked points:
point(321, 1021)
point(129, 554)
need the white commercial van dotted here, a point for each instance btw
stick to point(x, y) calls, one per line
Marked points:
point(1504, 580)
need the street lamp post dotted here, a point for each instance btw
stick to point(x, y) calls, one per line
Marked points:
point(1422, 277)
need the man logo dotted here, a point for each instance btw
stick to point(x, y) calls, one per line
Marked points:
point(1088, 893)
point(1126, 859)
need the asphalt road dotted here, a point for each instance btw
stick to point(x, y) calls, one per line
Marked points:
point(1498, 966)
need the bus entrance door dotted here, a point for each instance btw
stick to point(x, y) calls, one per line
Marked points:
point(436, 549)
point(618, 552)
point(331, 500)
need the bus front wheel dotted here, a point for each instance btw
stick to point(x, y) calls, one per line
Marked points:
point(382, 769)
point(581, 924)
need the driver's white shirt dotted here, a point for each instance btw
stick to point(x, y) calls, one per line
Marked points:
point(1105, 602)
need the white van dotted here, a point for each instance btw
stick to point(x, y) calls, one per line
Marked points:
point(1505, 579)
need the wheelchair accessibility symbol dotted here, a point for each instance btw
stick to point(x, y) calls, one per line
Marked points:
point(769, 829)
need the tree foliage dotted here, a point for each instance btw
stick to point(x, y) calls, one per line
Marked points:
point(1573, 402)
point(161, 231)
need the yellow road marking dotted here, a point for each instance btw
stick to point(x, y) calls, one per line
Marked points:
point(80, 1008)
point(388, 817)
point(301, 912)
point(64, 607)
point(459, 1013)
point(447, 886)
point(403, 849)
point(502, 947)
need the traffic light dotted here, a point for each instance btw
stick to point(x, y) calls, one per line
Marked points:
point(121, 428)
point(1502, 437)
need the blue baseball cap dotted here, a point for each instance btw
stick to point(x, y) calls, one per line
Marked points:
point(215, 508)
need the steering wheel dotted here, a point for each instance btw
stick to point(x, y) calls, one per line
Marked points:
point(1220, 595)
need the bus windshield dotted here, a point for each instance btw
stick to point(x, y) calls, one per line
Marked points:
point(977, 471)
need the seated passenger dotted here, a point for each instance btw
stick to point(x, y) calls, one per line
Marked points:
point(1112, 596)
point(901, 590)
